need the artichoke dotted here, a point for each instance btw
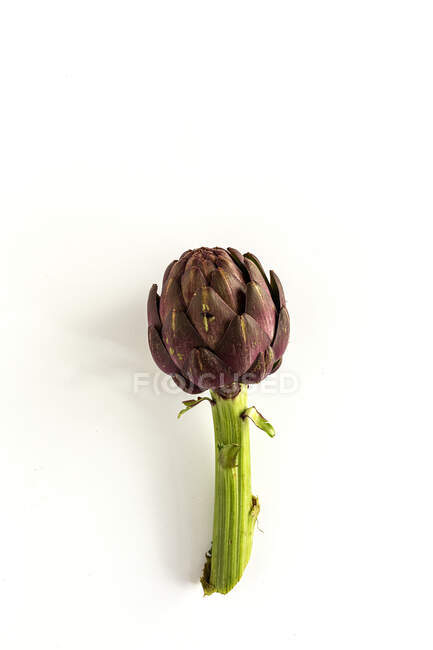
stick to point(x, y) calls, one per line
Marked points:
point(219, 320)
point(221, 324)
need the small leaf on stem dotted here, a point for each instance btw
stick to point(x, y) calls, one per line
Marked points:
point(227, 455)
point(259, 420)
point(190, 403)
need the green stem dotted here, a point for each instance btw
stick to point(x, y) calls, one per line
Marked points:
point(235, 509)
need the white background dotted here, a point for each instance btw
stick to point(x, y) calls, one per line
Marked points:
point(130, 131)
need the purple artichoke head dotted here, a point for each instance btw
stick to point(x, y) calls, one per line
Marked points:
point(219, 321)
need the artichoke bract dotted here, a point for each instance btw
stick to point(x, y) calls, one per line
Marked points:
point(219, 320)
point(219, 325)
